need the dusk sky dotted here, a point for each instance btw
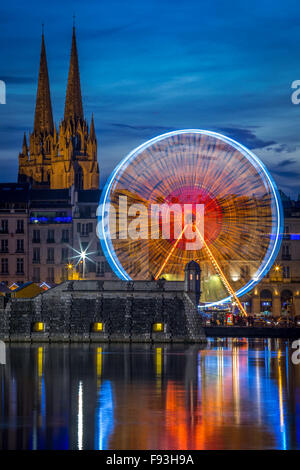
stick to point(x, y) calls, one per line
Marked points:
point(151, 66)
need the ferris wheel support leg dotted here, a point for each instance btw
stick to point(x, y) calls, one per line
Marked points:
point(222, 275)
point(170, 254)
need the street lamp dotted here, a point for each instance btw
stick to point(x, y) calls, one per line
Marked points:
point(82, 260)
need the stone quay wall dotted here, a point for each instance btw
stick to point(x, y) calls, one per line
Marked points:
point(127, 312)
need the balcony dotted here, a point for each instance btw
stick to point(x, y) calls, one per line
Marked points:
point(5, 250)
point(286, 257)
point(50, 261)
point(36, 261)
point(20, 231)
point(36, 240)
point(20, 250)
point(50, 240)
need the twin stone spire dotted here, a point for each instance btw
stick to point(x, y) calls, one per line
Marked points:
point(58, 160)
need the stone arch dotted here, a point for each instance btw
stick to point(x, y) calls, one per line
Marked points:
point(287, 301)
point(266, 301)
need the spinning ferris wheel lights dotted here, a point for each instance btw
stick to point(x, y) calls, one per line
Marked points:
point(242, 213)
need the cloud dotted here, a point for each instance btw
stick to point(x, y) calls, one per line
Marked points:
point(286, 174)
point(246, 137)
point(145, 128)
point(286, 162)
point(283, 148)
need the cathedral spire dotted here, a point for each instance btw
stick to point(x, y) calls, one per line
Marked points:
point(92, 135)
point(25, 147)
point(43, 119)
point(73, 104)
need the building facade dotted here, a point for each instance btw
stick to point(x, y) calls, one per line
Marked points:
point(279, 292)
point(44, 233)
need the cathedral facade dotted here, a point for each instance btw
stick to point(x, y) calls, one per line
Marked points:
point(63, 157)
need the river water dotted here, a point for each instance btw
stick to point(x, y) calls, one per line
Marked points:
point(230, 394)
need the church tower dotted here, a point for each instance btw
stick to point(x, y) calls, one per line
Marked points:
point(35, 161)
point(58, 160)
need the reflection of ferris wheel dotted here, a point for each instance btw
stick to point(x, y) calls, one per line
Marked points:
point(238, 234)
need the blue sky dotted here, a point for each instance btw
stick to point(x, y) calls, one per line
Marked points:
point(151, 66)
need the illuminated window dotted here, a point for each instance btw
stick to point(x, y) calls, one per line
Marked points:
point(38, 326)
point(158, 327)
point(97, 327)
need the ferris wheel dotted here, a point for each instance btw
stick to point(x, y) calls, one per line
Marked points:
point(192, 195)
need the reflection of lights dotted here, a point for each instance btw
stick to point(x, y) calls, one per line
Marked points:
point(99, 362)
point(80, 417)
point(158, 361)
point(257, 365)
point(104, 417)
point(282, 423)
point(236, 382)
point(40, 361)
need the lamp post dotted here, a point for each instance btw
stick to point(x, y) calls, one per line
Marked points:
point(82, 260)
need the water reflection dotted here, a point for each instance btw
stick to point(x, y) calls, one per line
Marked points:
point(234, 394)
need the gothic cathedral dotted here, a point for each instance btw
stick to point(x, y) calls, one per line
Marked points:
point(60, 159)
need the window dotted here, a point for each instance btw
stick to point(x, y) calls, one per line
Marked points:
point(85, 229)
point(286, 251)
point(20, 266)
point(50, 237)
point(286, 272)
point(4, 246)
point(64, 255)
point(50, 255)
point(36, 256)
point(4, 265)
point(100, 268)
point(36, 274)
point(20, 226)
point(4, 226)
point(20, 246)
point(99, 249)
point(50, 275)
point(36, 236)
point(65, 236)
